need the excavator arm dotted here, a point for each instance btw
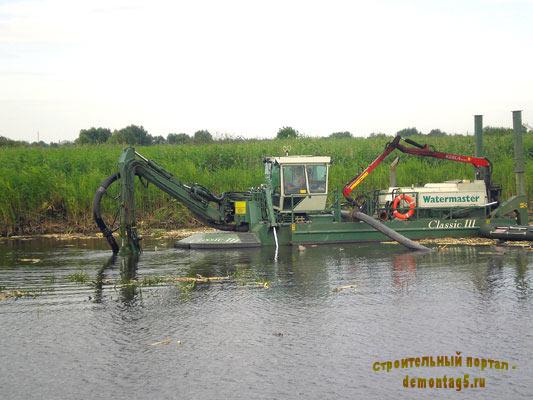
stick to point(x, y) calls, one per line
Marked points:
point(210, 209)
point(482, 165)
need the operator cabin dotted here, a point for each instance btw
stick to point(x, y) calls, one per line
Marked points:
point(299, 183)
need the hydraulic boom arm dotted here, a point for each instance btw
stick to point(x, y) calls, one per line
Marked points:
point(417, 150)
point(212, 210)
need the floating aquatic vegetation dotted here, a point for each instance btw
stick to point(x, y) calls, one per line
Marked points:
point(16, 294)
point(29, 260)
point(263, 283)
point(186, 287)
point(247, 277)
point(78, 277)
point(459, 241)
point(152, 280)
point(475, 241)
point(344, 287)
point(165, 341)
point(156, 280)
point(174, 233)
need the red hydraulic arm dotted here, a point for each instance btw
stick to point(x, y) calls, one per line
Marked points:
point(417, 150)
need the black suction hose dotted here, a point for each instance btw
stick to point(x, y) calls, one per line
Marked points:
point(410, 244)
point(108, 234)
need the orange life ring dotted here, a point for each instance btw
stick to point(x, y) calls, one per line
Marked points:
point(409, 213)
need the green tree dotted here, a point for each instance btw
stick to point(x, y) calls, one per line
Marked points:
point(436, 132)
point(340, 135)
point(62, 143)
point(131, 135)
point(287, 133)
point(94, 136)
point(178, 138)
point(408, 132)
point(6, 142)
point(159, 140)
point(379, 135)
point(40, 143)
point(202, 136)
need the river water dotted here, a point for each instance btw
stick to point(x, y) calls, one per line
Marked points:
point(319, 323)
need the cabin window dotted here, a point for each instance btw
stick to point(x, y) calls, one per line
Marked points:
point(294, 181)
point(276, 184)
point(275, 179)
point(317, 175)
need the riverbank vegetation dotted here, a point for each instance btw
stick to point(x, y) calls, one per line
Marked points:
point(50, 189)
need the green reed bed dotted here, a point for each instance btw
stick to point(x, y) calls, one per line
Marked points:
point(51, 189)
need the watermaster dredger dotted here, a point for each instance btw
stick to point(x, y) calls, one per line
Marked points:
point(290, 207)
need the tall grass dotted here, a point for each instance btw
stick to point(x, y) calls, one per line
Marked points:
point(40, 187)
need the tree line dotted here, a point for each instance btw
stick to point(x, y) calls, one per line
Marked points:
point(137, 135)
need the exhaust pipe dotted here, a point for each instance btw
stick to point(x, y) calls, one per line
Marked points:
point(519, 154)
point(478, 131)
point(481, 173)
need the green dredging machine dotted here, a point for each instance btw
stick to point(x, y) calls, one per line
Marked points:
point(290, 207)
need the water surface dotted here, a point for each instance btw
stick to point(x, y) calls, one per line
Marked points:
point(309, 326)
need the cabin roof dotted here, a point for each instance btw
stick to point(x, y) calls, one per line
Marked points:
point(300, 159)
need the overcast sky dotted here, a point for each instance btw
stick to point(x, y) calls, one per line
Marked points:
point(249, 67)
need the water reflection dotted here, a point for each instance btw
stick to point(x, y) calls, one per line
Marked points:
point(100, 277)
point(521, 280)
point(302, 334)
point(403, 270)
point(128, 273)
point(486, 267)
point(305, 273)
point(315, 271)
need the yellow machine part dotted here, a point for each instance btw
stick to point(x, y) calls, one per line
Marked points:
point(240, 207)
